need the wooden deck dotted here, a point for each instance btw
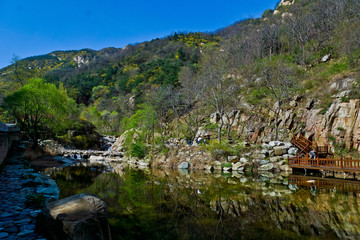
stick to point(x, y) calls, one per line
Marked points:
point(324, 158)
point(342, 185)
point(342, 164)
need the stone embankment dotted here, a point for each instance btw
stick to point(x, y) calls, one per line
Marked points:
point(270, 156)
point(20, 188)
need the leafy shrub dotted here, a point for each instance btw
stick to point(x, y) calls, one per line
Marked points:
point(138, 149)
point(228, 165)
point(220, 150)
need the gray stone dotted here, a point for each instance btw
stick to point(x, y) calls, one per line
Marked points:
point(81, 217)
point(4, 215)
point(285, 156)
point(275, 143)
point(27, 227)
point(293, 103)
point(244, 160)
point(310, 104)
point(288, 145)
point(12, 229)
point(265, 152)
point(267, 174)
point(183, 165)
point(3, 234)
point(266, 146)
point(260, 162)
point(275, 159)
point(24, 232)
point(281, 150)
point(238, 165)
point(231, 158)
point(96, 158)
point(266, 167)
point(292, 151)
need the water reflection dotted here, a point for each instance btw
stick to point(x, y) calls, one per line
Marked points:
point(160, 204)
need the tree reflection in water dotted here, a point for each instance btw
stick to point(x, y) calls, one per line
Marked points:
point(171, 205)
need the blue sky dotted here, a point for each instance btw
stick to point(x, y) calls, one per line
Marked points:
point(29, 28)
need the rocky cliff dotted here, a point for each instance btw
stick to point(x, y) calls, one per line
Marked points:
point(338, 123)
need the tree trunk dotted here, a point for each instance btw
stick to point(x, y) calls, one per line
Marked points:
point(276, 126)
point(220, 128)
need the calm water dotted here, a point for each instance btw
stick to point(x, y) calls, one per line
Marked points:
point(156, 204)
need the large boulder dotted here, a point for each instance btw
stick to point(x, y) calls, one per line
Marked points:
point(78, 217)
point(118, 146)
point(266, 167)
point(275, 143)
point(292, 151)
point(239, 166)
point(281, 150)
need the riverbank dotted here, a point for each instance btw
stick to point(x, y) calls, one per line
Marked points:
point(23, 192)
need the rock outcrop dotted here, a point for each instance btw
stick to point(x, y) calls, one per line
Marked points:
point(340, 121)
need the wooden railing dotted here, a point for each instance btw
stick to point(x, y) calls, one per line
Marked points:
point(325, 183)
point(342, 164)
point(305, 146)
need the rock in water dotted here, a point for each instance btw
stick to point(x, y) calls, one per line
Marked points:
point(78, 217)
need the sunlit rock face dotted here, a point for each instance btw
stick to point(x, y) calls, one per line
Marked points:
point(286, 2)
point(339, 118)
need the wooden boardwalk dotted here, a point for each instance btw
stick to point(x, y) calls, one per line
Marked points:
point(342, 185)
point(324, 159)
point(342, 164)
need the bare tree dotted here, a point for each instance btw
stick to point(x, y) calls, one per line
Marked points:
point(220, 90)
point(16, 61)
point(192, 95)
point(278, 82)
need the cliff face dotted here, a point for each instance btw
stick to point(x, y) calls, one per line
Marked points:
point(340, 122)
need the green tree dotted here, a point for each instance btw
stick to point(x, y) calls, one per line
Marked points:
point(39, 107)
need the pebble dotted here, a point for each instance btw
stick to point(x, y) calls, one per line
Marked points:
point(3, 235)
point(16, 220)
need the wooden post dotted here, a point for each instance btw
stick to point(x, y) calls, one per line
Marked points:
point(317, 160)
point(341, 162)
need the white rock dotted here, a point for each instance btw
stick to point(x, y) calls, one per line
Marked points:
point(183, 165)
point(266, 146)
point(325, 58)
point(275, 143)
point(231, 158)
point(292, 151)
point(266, 167)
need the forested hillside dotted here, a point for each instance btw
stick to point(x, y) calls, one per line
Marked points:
point(169, 87)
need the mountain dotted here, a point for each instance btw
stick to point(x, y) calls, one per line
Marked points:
point(303, 46)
